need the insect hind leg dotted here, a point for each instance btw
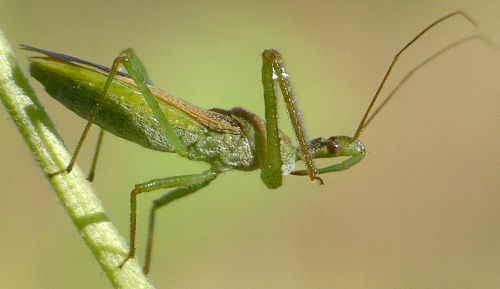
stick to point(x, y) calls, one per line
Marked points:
point(137, 72)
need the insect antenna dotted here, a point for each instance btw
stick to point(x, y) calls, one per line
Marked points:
point(362, 125)
point(480, 37)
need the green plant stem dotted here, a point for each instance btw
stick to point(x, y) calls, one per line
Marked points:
point(73, 190)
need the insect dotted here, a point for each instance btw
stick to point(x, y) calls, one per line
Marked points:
point(129, 106)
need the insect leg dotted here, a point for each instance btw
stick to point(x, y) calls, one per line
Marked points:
point(142, 70)
point(161, 202)
point(134, 67)
point(273, 68)
point(96, 155)
point(139, 66)
point(183, 185)
point(335, 167)
point(271, 173)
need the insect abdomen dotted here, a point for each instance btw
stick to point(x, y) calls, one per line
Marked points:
point(125, 113)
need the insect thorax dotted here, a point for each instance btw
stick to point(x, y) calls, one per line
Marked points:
point(254, 129)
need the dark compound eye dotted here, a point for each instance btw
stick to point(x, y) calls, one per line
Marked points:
point(333, 146)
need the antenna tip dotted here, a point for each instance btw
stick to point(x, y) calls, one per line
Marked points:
point(466, 16)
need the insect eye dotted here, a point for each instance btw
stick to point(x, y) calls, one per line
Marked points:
point(333, 146)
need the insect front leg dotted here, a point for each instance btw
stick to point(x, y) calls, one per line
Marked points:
point(344, 165)
point(183, 185)
point(134, 67)
point(273, 68)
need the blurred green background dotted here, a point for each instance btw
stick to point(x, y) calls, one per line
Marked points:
point(421, 211)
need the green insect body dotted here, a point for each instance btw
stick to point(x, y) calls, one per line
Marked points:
point(126, 114)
